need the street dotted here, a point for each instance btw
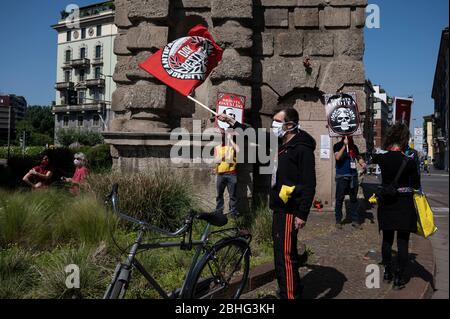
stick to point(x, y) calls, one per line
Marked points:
point(436, 188)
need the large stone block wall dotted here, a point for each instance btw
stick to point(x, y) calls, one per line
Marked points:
point(265, 43)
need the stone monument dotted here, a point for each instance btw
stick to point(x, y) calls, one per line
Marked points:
point(266, 43)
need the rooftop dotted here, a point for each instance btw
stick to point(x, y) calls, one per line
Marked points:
point(91, 10)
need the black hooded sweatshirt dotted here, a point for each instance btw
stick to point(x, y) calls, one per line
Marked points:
point(296, 167)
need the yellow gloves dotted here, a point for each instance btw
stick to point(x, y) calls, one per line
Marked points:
point(286, 192)
point(373, 200)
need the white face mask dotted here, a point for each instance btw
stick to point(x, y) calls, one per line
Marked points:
point(77, 162)
point(277, 129)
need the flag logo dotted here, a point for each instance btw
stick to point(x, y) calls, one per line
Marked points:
point(187, 58)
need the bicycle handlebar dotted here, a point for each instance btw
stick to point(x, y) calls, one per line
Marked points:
point(113, 197)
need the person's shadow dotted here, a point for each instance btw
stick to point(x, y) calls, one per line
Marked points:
point(322, 282)
point(416, 270)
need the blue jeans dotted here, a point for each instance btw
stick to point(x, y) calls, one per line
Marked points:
point(347, 185)
point(228, 181)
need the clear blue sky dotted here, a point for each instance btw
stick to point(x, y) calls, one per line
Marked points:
point(401, 55)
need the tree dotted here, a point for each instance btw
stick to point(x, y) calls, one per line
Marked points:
point(39, 123)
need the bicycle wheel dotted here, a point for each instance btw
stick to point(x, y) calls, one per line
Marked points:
point(223, 272)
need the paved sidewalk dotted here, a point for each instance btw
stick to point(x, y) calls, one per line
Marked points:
point(436, 188)
point(337, 268)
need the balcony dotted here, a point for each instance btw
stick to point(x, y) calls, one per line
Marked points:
point(80, 63)
point(95, 83)
point(60, 108)
point(66, 65)
point(97, 61)
point(63, 86)
point(94, 106)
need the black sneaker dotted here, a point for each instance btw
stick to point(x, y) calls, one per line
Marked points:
point(388, 276)
point(399, 282)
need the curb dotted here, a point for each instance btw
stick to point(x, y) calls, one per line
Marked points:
point(421, 286)
point(259, 276)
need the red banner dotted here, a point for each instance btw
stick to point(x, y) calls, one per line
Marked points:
point(185, 63)
point(402, 110)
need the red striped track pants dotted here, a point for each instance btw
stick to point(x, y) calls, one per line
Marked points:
point(285, 255)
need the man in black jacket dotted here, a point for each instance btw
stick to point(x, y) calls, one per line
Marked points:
point(291, 195)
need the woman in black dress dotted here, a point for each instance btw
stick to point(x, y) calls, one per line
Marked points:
point(397, 214)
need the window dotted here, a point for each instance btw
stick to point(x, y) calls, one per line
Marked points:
point(82, 53)
point(80, 121)
point(96, 120)
point(67, 76)
point(83, 33)
point(98, 72)
point(81, 96)
point(82, 74)
point(68, 55)
point(98, 51)
point(99, 30)
point(65, 121)
point(69, 36)
point(97, 95)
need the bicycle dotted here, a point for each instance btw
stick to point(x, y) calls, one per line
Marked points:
point(220, 272)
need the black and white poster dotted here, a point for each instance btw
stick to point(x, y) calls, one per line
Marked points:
point(342, 114)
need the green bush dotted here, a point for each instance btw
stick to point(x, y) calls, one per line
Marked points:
point(17, 151)
point(70, 136)
point(161, 197)
point(262, 225)
point(17, 272)
point(94, 266)
point(99, 158)
point(49, 217)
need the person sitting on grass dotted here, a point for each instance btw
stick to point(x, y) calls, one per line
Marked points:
point(79, 177)
point(39, 176)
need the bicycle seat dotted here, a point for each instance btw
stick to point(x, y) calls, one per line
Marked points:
point(215, 219)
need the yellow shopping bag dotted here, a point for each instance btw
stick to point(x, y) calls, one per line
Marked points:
point(425, 219)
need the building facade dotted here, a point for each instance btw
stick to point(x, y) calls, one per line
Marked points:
point(265, 46)
point(428, 133)
point(367, 117)
point(440, 96)
point(383, 115)
point(12, 110)
point(85, 64)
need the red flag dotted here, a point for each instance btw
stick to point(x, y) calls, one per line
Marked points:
point(186, 62)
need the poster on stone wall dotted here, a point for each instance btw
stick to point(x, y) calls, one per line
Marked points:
point(342, 114)
point(232, 105)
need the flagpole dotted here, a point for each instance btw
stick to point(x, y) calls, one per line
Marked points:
point(201, 104)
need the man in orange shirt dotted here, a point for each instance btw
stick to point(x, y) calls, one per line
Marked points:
point(225, 159)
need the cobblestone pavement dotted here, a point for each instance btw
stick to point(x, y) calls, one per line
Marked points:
point(337, 267)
